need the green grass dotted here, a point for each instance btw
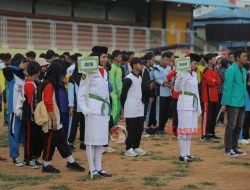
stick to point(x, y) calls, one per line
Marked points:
point(121, 180)
point(155, 156)
point(219, 147)
point(3, 140)
point(60, 187)
point(236, 163)
point(14, 180)
point(190, 186)
point(25, 178)
point(153, 181)
point(180, 164)
point(87, 178)
point(208, 183)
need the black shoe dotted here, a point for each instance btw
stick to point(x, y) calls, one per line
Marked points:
point(50, 169)
point(82, 146)
point(206, 138)
point(190, 156)
point(104, 174)
point(75, 166)
point(237, 152)
point(72, 148)
point(185, 159)
point(214, 137)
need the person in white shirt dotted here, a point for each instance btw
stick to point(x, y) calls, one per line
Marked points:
point(188, 108)
point(131, 100)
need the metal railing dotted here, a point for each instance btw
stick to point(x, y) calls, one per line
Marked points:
point(44, 34)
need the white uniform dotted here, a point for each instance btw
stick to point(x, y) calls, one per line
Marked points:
point(189, 103)
point(96, 112)
point(188, 108)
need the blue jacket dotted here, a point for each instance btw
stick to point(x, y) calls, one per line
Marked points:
point(234, 89)
point(160, 75)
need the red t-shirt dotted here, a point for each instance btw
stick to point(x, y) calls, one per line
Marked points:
point(29, 90)
point(48, 97)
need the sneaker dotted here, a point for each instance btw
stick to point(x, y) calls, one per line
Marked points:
point(108, 150)
point(75, 166)
point(38, 162)
point(104, 174)
point(95, 174)
point(82, 146)
point(50, 169)
point(184, 159)
point(243, 141)
point(214, 137)
point(206, 138)
point(2, 159)
point(220, 124)
point(248, 141)
point(238, 152)
point(17, 162)
point(130, 153)
point(140, 152)
point(72, 148)
point(231, 153)
point(32, 164)
point(191, 156)
point(145, 134)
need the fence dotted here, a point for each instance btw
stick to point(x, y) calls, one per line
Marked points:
point(23, 33)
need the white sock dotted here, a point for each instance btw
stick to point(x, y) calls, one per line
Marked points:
point(98, 157)
point(90, 156)
point(70, 159)
point(182, 146)
point(188, 145)
point(46, 163)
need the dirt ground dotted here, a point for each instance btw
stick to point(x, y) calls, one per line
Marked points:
point(160, 169)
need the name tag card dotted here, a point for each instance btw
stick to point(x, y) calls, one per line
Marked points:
point(88, 64)
point(183, 64)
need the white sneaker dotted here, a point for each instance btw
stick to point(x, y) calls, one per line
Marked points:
point(231, 153)
point(243, 141)
point(32, 164)
point(18, 162)
point(145, 134)
point(248, 141)
point(130, 153)
point(108, 150)
point(140, 152)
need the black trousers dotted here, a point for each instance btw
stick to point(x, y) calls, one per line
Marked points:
point(164, 108)
point(175, 115)
point(246, 125)
point(33, 140)
point(152, 115)
point(135, 128)
point(211, 120)
point(54, 139)
point(78, 118)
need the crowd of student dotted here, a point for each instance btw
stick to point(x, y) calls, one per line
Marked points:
point(147, 90)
